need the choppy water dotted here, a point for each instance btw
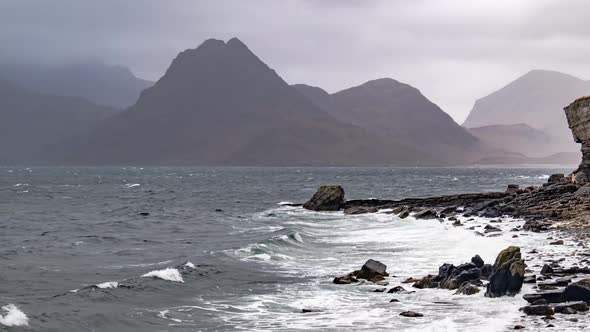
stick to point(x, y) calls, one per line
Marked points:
point(218, 252)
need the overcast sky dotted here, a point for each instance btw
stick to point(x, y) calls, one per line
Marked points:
point(453, 51)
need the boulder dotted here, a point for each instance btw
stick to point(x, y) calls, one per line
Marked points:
point(477, 261)
point(327, 198)
point(360, 210)
point(411, 314)
point(426, 214)
point(512, 188)
point(347, 279)
point(508, 273)
point(578, 119)
point(556, 178)
point(578, 291)
point(467, 288)
point(550, 297)
point(566, 308)
point(426, 282)
point(546, 269)
point(538, 310)
point(373, 271)
point(490, 229)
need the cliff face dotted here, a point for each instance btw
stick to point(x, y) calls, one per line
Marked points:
point(578, 119)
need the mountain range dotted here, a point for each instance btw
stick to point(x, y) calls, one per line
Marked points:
point(219, 104)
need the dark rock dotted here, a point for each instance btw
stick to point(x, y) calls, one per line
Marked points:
point(393, 300)
point(467, 289)
point(379, 290)
point(561, 282)
point(556, 178)
point(486, 270)
point(546, 269)
point(536, 226)
point(578, 291)
point(508, 273)
point(541, 301)
point(490, 228)
point(530, 279)
point(304, 311)
point(373, 271)
point(558, 242)
point(145, 214)
point(404, 214)
point(538, 310)
point(550, 297)
point(491, 212)
point(573, 306)
point(410, 280)
point(347, 279)
point(518, 327)
point(477, 261)
point(426, 282)
point(360, 210)
point(457, 223)
point(327, 198)
point(411, 314)
point(512, 188)
point(426, 214)
point(397, 289)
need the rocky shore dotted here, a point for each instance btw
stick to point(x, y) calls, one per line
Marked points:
point(561, 207)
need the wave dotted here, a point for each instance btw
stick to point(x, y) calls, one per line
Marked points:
point(285, 203)
point(168, 274)
point(108, 284)
point(13, 316)
point(132, 185)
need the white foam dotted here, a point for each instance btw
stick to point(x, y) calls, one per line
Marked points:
point(297, 237)
point(108, 284)
point(168, 274)
point(543, 177)
point(162, 314)
point(131, 185)
point(190, 265)
point(285, 203)
point(13, 316)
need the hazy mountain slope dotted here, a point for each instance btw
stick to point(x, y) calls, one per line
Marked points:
point(400, 113)
point(219, 104)
point(536, 99)
point(34, 128)
point(113, 86)
point(520, 138)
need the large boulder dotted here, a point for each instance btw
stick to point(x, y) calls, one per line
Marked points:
point(508, 273)
point(578, 119)
point(327, 198)
point(578, 291)
point(373, 271)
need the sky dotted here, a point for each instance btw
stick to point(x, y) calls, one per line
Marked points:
point(453, 51)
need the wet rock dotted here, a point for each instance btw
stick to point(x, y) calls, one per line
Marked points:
point(411, 314)
point(550, 297)
point(347, 279)
point(373, 271)
point(541, 301)
point(426, 282)
point(546, 269)
point(536, 226)
point(538, 310)
point(508, 273)
point(379, 290)
point(393, 300)
point(467, 289)
point(144, 214)
point(398, 289)
point(560, 282)
point(578, 291)
point(558, 242)
point(410, 280)
point(404, 214)
point(512, 188)
point(477, 261)
point(457, 223)
point(556, 178)
point(490, 229)
point(360, 210)
point(571, 307)
point(518, 327)
point(327, 198)
point(530, 279)
point(426, 214)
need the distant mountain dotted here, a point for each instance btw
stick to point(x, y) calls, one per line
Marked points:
point(35, 127)
point(219, 104)
point(536, 99)
point(519, 138)
point(113, 86)
point(400, 113)
point(561, 159)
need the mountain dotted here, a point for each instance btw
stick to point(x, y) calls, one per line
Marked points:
point(113, 86)
point(535, 99)
point(219, 104)
point(398, 112)
point(34, 127)
point(519, 138)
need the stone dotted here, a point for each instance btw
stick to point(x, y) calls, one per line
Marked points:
point(347, 279)
point(426, 282)
point(556, 178)
point(512, 188)
point(477, 261)
point(538, 310)
point(360, 210)
point(556, 243)
point(550, 297)
point(144, 214)
point(530, 279)
point(411, 314)
point(536, 226)
point(467, 289)
point(305, 311)
point(327, 198)
point(490, 229)
point(426, 214)
point(404, 214)
point(518, 327)
point(508, 273)
point(546, 269)
point(393, 300)
point(578, 291)
point(373, 271)
point(578, 118)
point(572, 306)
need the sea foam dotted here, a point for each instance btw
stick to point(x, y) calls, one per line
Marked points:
point(168, 274)
point(108, 284)
point(13, 316)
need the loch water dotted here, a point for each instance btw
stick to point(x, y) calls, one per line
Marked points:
point(217, 249)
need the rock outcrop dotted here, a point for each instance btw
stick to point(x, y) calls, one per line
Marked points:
point(372, 270)
point(508, 273)
point(578, 119)
point(327, 198)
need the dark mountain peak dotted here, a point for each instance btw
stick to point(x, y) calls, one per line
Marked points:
point(236, 43)
point(542, 74)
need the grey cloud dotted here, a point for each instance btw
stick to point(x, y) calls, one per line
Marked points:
point(454, 51)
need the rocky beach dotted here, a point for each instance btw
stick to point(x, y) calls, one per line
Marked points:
point(559, 281)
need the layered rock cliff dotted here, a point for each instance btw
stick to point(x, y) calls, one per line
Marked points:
point(578, 119)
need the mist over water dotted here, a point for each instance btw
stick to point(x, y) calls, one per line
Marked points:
point(216, 250)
